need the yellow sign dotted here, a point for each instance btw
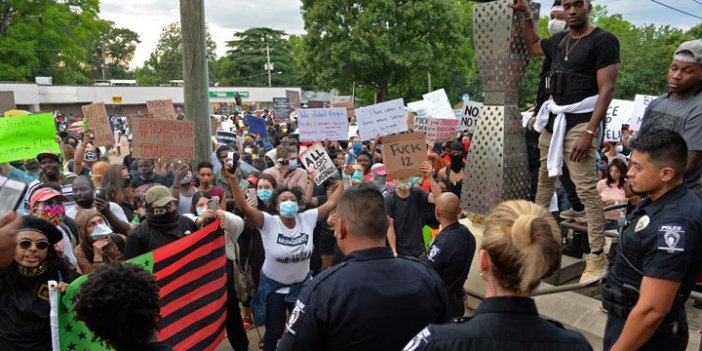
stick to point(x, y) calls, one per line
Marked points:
point(116, 100)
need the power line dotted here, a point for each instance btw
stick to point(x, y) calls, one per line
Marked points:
point(674, 9)
point(697, 2)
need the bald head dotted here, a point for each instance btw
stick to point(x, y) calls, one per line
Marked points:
point(448, 206)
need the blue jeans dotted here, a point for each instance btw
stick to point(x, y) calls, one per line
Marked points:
point(275, 320)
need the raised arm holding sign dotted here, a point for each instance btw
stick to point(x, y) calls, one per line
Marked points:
point(97, 120)
point(403, 154)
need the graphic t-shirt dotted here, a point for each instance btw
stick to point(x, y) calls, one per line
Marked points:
point(288, 251)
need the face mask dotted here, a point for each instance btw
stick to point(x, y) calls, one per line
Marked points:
point(380, 181)
point(456, 163)
point(265, 194)
point(357, 177)
point(53, 213)
point(85, 201)
point(288, 209)
point(556, 25)
point(404, 184)
point(292, 164)
point(101, 230)
point(187, 179)
point(619, 148)
point(356, 148)
point(200, 211)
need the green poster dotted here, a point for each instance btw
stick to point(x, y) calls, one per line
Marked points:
point(23, 137)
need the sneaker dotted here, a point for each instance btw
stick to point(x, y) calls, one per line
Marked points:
point(595, 268)
point(572, 214)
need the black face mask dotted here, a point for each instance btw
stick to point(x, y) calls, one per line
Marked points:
point(456, 163)
point(84, 201)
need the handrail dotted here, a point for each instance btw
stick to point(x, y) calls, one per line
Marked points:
point(695, 295)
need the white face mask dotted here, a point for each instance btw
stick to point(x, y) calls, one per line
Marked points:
point(556, 25)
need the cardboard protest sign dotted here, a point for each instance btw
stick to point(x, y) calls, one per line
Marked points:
point(442, 129)
point(469, 117)
point(618, 113)
point(403, 154)
point(226, 137)
point(97, 120)
point(147, 115)
point(382, 119)
point(162, 109)
point(438, 104)
point(315, 157)
point(420, 115)
point(24, 137)
point(293, 98)
point(336, 99)
point(281, 109)
point(640, 104)
point(348, 105)
point(317, 124)
point(315, 104)
point(155, 138)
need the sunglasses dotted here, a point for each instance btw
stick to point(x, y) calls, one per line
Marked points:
point(26, 244)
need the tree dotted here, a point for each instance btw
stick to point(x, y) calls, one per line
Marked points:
point(246, 58)
point(378, 44)
point(115, 48)
point(166, 62)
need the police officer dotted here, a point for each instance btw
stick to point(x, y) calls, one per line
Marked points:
point(659, 252)
point(452, 251)
point(371, 301)
point(521, 245)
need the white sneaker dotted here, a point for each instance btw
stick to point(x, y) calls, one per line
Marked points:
point(595, 268)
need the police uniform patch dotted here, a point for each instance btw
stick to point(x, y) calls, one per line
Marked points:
point(419, 341)
point(294, 316)
point(671, 237)
point(433, 252)
point(642, 223)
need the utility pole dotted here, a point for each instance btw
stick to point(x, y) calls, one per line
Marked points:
point(428, 82)
point(269, 67)
point(195, 77)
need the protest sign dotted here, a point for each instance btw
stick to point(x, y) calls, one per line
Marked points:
point(403, 154)
point(640, 104)
point(293, 98)
point(317, 124)
point(441, 129)
point(162, 109)
point(97, 120)
point(336, 99)
point(281, 109)
point(420, 115)
point(257, 125)
point(348, 105)
point(214, 126)
point(618, 113)
point(315, 157)
point(438, 104)
point(315, 104)
point(25, 137)
point(382, 119)
point(146, 115)
point(155, 138)
point(226, 137)
point(469, 117)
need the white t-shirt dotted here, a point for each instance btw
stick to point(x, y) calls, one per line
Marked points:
point(114, 208)
point(288, 251)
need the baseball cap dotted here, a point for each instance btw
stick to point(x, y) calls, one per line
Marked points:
point(689, 51)
point(379, 169)
point(45, 194)
point(159, 196)
point(47, 154)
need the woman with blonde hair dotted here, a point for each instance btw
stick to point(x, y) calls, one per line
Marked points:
point(520, 246)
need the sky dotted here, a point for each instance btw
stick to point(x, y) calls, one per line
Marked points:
point(224, 17)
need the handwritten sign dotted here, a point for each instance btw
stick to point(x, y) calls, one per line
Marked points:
point(348, 105)
point(469, 117)
point(97, 120)
point(317, 124)
point(442, 129)
point(281, 109)
point(155, 138)
point(24, 137)
point(438, 104)
point(403, 154)
point(618, 113)
point(226, 137)
point(294, 98)
point(146, 115)
point(640, 104)
point(162, 109)
point(420, 115)
point(382, 119)
point(315, 157)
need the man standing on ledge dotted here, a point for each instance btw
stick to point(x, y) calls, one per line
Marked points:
point(584, 67)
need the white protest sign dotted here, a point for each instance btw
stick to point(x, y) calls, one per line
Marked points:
point(640, 104)
point(469, 116)
point(421, 119)
point(618, 113)
point(438, 104)
point(317, 124)
point(382, 119)
point(315, 157)
point(442, 129)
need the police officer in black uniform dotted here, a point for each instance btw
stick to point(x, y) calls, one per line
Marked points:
point(451, 253)
point(521, 245)
point(371, 301)
point(659, 251)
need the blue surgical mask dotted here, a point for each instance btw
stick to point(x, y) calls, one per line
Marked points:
point(357, 148)
point(200, 211)
point(292, 164)
point(357, 177)
point(288, 209)
point(265, 194)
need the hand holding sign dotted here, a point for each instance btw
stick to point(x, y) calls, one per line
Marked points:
point(403, 154)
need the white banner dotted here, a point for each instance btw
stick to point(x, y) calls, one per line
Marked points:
point(640, 104)
point(382, 119)
point(618, 113)
point(318, 124)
